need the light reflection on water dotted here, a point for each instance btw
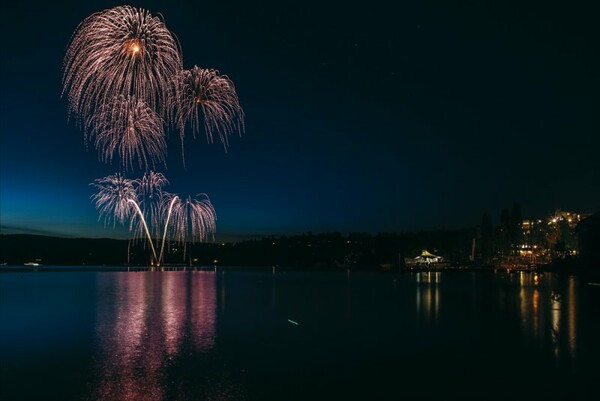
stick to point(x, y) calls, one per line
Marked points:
point(546, 306)
point(141, 329)
point(160, 319)
point(227, 335)
point(548, 313)
point(428, 295)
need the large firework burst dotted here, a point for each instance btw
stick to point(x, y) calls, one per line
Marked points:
point(126, 126)
point(203, 93)
point(119, 51)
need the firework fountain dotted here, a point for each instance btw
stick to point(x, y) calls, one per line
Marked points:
point(145, 206)
point(124, 80)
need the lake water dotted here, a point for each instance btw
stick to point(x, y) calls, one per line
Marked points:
point(248, 335)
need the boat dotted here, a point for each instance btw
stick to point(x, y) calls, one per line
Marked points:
point(31, 264)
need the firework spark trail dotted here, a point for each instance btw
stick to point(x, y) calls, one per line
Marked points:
point(199, 213)
point(149, 189)
point(203, 91)
point(126, 126)
point(112, 198)
point(119, 51)
point(143, 220)
point(117, 201)
point(169, 200)
point(151, 184)
point(180, 214)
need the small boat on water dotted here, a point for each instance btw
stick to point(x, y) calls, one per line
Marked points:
point(31, 264)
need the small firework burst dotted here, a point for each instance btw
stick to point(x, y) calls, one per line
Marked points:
point(187, 219)
point(127, 127)
point(203, 93)
point(119, 51)
point(151, 184)
point(150, 194)
point(115, 197)
point(142, 202)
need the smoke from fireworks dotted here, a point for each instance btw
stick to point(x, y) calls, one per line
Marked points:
point(204, 93)
point(119, 51)
point(127, 127)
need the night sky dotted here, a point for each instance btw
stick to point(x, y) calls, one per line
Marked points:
point(360, 116)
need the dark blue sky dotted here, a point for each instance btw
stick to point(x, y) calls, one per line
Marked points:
point(361, 116)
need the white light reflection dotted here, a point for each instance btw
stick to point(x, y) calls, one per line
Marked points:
point(572, 316)
point(428, 295)
point(547, 308)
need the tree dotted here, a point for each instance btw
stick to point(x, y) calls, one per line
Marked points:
point(487, 237)
point(504, 231)
point(516, 221)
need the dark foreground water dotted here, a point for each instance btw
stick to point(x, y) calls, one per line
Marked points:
point(297, 336)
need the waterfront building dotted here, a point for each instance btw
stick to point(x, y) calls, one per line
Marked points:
point(588, 233)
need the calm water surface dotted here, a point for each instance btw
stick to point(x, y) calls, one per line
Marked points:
point(297, 336)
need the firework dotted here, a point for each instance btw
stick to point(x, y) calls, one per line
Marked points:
point(187, 219)
point(119, 51)
point(114, 198)
point(149, 191)
point(196, 214)
point(117, 201)
point(204, 92)
point(122, 71)
point(151, 184)
point(127, 127)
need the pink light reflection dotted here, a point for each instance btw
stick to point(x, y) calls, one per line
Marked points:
point(203, 311)
point(174, 293)
point(141, 329)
